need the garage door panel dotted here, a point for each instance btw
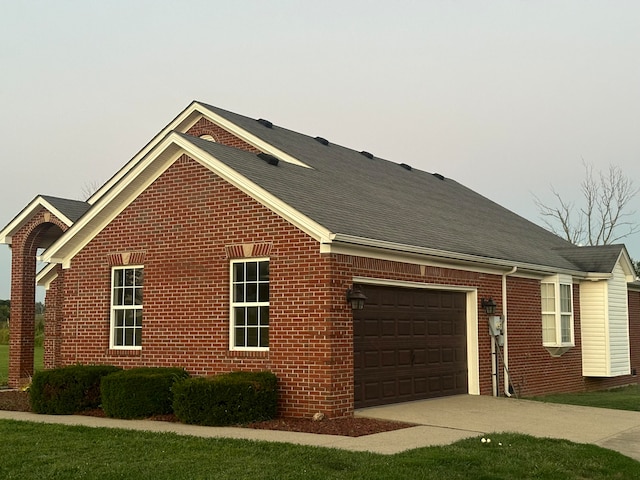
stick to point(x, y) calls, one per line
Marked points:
point(412, 343)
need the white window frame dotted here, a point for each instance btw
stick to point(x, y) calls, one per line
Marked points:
point(242, 303)
point(133, 307)
point(560, 313)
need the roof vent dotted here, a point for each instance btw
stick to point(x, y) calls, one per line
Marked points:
point(405, 166)
point(270, 159)
point(264, 122)
point(438, 176)
point(323, 141)
point(367, 154)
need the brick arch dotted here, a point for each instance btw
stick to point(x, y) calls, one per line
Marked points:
point(39, 232)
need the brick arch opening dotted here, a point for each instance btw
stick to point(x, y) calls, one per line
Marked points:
point(40, 234)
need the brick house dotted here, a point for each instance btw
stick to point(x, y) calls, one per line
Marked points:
point(250, 241)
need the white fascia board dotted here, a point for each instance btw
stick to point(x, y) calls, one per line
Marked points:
point(627, 265)
point(145, 172)
point(359, 246)
point(23, 217)
point(182, 123)
point(46, 276)
point(111, 204)
point(251, 139)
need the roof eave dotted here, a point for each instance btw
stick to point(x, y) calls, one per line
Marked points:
point(500, 265)
point(27, 213)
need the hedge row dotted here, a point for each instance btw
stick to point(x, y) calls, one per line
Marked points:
point(228, 399)
point(67, 390)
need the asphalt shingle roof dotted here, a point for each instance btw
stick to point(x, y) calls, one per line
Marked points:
point(72, 209)
point(350, 194)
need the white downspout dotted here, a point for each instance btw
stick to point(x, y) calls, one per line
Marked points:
point(505, 348)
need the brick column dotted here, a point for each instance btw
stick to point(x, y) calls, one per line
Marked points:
point(22, 325)
point(53, 317)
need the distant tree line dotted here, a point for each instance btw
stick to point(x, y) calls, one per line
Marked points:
point(5, 309)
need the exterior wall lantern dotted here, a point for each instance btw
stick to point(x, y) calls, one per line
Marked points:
point(489, 306)
point(356, 298)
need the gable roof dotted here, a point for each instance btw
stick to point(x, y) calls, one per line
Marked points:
point(68, 211)
point(341, 196)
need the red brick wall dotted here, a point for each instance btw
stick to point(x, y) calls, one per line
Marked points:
point(182, 224)
point(205, 127)
point(24, 246)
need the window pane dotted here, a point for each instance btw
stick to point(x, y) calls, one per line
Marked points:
point(239, 316)
point(565, 328)
point(129, 276)
point(139, 276)
point(238, 292)
point(565, 298)
point(252, 292)
point(238, 272)
point(252, 337)
point(264, 315)
point(128, 296)
point(252, 316)
point(264, 337)
point(239, 336)
point(119, 314)
point(128, 336)
point(118, 337)
point(549, 328)
point(128, 318)
point(263, 292)
point(138, 318)
point(138, 296)
point(138, 337)
point(264, 271)
point(548, 297)
point(252, 271)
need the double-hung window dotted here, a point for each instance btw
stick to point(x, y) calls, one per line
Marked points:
point(557, 311)
point(126, 307)
point(250, 304)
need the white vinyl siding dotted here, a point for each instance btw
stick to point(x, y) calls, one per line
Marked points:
point(605, 326)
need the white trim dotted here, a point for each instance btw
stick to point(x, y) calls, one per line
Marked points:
point(182, 123)
point(473, 355)
point(232, 304)
point(113, 202)
point(46, 275)
point(112, 309)
point(23, 217)
point(557, 281)
point(341, 243)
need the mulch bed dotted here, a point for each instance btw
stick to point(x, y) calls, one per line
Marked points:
point(18, 401)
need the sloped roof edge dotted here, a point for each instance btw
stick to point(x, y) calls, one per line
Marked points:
point(68, 211)
point(131, 184)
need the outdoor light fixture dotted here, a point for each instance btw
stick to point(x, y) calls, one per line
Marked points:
point(356, 298)
point(489, 306)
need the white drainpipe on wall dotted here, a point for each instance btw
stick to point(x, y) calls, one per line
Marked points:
point(505, 348)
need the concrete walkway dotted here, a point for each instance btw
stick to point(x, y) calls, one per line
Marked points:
point(439, 422)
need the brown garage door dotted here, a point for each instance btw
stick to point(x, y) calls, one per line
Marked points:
point(409, 344)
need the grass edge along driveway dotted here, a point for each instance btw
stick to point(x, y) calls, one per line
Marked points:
point(46, 451)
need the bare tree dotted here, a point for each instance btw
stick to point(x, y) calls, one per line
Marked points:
point(604, 217)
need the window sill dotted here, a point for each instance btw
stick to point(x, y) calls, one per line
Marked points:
point(248, 353)
point(117, 352)
point(559, 350)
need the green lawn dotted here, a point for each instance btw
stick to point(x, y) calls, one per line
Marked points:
point(45, 451)
point(625, 398)
point(4, 362)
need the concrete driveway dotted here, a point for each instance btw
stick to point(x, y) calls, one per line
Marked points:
point(453, 418)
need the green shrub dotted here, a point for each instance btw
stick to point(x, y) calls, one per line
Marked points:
point(229, 399)
point(67, 390)
point(140, 392)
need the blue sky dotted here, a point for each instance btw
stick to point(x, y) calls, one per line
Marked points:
point(506, 97)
